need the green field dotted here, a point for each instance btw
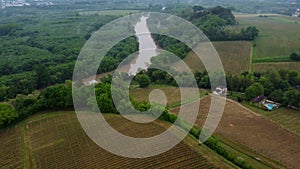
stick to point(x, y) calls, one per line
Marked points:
point(278, 37)
point(172, 94)
point(235, 56)
point(110, 12)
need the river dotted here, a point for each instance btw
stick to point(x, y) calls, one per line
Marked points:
point(147, 46)
point(147, 50)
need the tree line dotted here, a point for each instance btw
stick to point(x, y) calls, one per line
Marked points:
point(217, 24)
point(280, 86)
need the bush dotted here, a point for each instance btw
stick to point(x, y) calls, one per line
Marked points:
point(295, 56)
point(143, 80)
point(7, 114)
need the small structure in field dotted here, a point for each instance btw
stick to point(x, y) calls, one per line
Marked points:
point(92, 82)
point(263, 103)
point(221, 90)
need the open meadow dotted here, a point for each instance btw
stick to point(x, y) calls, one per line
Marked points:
point(278, 34)
point(235, 56)
point(172, 94)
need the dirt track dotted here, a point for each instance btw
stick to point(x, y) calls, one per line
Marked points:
point(256, 132)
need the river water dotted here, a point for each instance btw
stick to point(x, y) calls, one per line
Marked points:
point(147, 46)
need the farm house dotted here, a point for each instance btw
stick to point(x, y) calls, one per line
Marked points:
point(263, 103)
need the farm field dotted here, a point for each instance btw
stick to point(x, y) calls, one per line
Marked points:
point(286, 117)
point(278, 37)
point(261, 67)
point(235, 56)
point(56, 140)
point(11, 144)
point(248, 129)
point(172, 94)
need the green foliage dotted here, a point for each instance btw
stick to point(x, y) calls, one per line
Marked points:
point(216, 24)
point(295, 56)
point(103, 99)
point(56, 97)
point(26, 105)
point(291, 98)
point(43, 77)
point(256, 89)
point(9, 28)
point(172, 45)
point(143, 80)
point(277, 96)
point(7, 114)
point(107, 79)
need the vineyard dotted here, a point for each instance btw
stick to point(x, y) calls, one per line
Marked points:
point(286, 117)
point(290, 119)
point(262, 67)
point(251, 130)
point(58, 141)
point(11, 148)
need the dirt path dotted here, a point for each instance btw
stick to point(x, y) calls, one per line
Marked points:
point(27, 148)
point(251, 60)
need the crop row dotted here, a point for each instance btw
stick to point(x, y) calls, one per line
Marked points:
point(11, 148)
point(64, 145)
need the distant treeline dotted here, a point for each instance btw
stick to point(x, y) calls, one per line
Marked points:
point(217, 23)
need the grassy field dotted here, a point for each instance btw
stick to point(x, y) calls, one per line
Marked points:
point(262, 139)
point(110, 12)
point(235, 56)
point(172, 94)
point(56, 140)
point(278, 37)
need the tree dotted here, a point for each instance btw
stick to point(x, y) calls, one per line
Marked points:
point(277, 96)
point(274, 77)
point(25, 105)
point(284, 85)
point(267, 84)
point(57, 96)
point(7, 114)
point(43, 77)
point(104, 99)
point(295, 56)
point(256, 89)
point(283, 74)
point(3, 92)
point(291, 98)
point(197, 8)
point(293, 77)
point(205, 82)
point(143, 80)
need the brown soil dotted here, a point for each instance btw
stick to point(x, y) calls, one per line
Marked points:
point(256, 132)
